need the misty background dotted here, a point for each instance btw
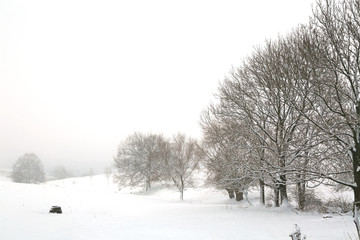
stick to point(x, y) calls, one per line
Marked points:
point(77, 77)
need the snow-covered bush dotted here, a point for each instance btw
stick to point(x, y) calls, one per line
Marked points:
point(311, 200)
point(339, 204)
point(314, 201)
point(297, 234)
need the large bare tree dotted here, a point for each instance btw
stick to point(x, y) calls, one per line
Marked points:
point(226, 154)
point(138, 159)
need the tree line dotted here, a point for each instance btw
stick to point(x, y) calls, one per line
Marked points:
point(28, 168)
point(289, 115)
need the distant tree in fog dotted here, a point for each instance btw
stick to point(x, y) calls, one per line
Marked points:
point(108, 172)
point(60, 172)
point(28, 169)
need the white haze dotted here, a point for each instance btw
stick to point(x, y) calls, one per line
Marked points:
point(77, 77)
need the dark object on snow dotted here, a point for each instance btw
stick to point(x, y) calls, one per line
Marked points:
point(55, 209)
point(238, 195)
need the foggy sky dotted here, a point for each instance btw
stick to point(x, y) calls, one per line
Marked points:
point(78, 76)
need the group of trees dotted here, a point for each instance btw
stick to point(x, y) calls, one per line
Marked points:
point(144, 158)
point(289, 115)
point(29, 169)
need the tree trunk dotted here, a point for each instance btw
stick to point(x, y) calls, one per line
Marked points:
point(230, 192)
point(276, 196)
point(301, 185)
point(148, 185)
point(261, 179)
point(356, 220)
point(262, 192)
point(283, 181)
point(283, 190)
point(182, 189)
point(148, 172)
point(239, 195)
point(182, 194)
point(301, 195)
point(356, 170)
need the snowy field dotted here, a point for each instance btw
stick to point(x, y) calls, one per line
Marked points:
point(95, 209)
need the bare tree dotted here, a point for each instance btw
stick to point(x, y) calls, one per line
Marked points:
point(60, 172)
point(182, 160)
point(28, 169)
point(258, 93)
point(108, 172)
point(139, 160)
point(260, 108)
point(333, 49)
point(225, 150)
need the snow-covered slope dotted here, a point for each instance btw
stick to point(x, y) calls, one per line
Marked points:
point(5, 175)
point(94, 208)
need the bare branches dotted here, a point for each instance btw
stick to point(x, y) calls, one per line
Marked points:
point(290, 112)
point(138, 159)
point(184, 158)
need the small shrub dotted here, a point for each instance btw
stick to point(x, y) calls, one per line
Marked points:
point(339, 204)
point(313, 201)
point(316, 202)
point(269, 204)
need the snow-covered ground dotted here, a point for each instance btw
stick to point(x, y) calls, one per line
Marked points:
point(95, 209)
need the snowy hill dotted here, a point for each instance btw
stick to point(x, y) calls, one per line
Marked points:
point(94, 208)
point(5, 175)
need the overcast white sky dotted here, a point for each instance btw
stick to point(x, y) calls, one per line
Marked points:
point(78, 76)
